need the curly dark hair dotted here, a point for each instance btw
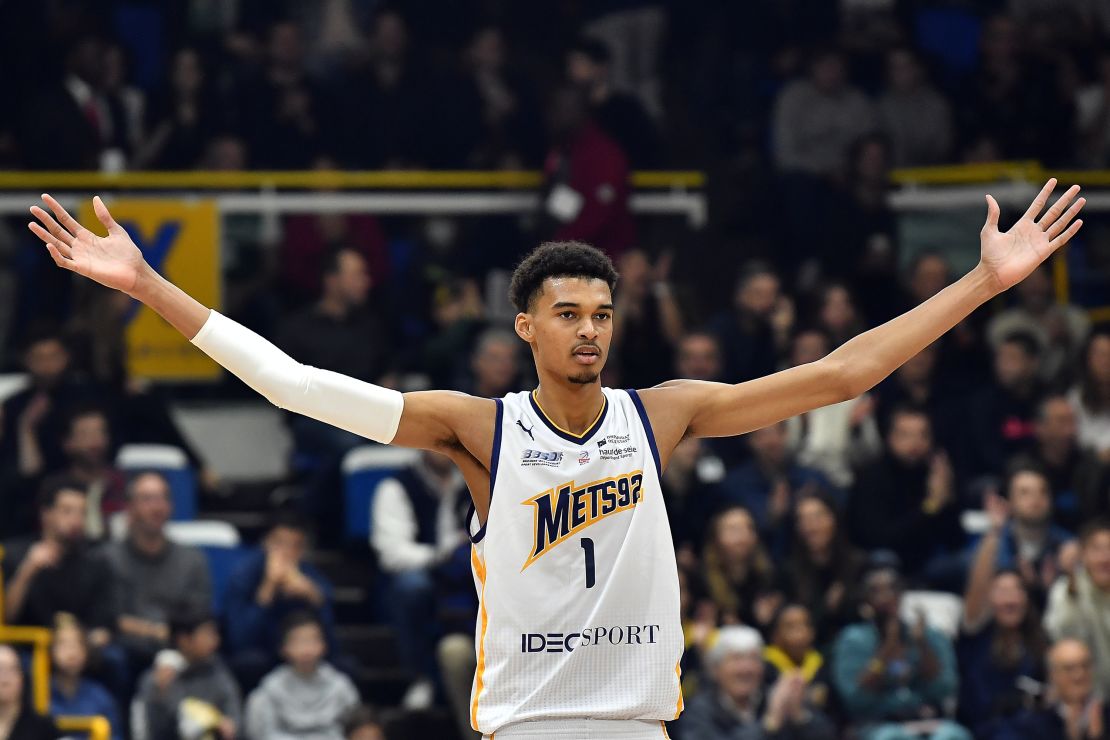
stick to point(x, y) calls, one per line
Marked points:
point(558, 259)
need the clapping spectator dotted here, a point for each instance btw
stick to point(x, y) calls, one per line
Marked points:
point(792, 652)
point(894, 678)
point(735, 706)
point(71, 693)
point(1079, 600)
point(1075, 708)
point(264, 589)
point(306, 697)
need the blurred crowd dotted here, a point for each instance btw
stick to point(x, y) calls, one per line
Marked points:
point(930, 559)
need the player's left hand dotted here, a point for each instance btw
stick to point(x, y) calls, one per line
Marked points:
point(1008, 257)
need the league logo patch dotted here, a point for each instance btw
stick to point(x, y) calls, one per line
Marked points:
point(532, 458)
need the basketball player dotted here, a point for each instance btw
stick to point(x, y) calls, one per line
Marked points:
point(578, 632)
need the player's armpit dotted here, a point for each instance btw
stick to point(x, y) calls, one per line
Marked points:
point(681, 408)
point(447, 422)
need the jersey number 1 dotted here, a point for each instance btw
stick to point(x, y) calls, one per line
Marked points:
point(588, 548)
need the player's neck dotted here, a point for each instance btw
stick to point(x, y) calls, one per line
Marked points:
point(571, 407)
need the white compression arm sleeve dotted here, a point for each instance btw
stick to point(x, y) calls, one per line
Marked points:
point(362, 408)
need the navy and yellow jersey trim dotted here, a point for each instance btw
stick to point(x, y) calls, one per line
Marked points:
point(580, 439)
point(647, 428)
point(494, 458)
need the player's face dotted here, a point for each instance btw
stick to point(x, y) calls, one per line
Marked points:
point(570, 328)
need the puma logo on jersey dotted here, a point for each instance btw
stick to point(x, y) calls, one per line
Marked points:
point(569, 508)
point(520, 424)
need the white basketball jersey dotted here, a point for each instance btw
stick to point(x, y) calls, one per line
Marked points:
point(576, 572)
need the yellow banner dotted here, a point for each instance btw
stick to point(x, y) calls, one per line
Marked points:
point(181, 241)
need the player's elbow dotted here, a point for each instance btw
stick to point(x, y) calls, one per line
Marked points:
point(842, 380)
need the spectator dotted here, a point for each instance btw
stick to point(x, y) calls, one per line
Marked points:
point(905, 500)
point(1076, 709)
point(770, 483)
point(1001, 646)
point(837, 314)
point(621, 116)
point(17, 720)
point(60, 572)
point(264, 589)
point(698, 357)
point(418, 532)
point(824, 568)
point(734, 707)
point(913, 385)
point(184, 119)
point(832, 440)
point(1022, 535)
point(1080, 482)
point(915, 116)
point(71, 694)
point(739, 577)
point(312, 247)
point(1059, 328)
point(999, 418)
point(792, 652)
point(750, 333)
point(306, 697)
point(190, 693)
point(648, 320)
point(1091, 397)
point(691, 494)
point(586, 180)
point(928, 274)
point(87, 445)
point(816, 119)
point(363, 724)
point(889, 673)
point(494, 364)
point(1079, 600)
point(155, 578)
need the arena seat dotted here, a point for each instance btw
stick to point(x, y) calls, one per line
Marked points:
point(205, 533)
point(171, 462)
point(363, 469)
point(222, 561)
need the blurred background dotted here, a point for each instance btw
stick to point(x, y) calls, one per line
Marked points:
point(356, 179)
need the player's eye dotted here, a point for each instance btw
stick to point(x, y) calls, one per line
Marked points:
point(602, 316)
point(567, 315)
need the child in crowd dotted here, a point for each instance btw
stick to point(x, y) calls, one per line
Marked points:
point(71, 694)
point(189, 693)
point(305, 697)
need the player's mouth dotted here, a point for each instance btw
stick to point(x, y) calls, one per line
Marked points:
point(587, 355)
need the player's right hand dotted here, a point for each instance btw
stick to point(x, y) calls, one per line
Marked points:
point(113, 261)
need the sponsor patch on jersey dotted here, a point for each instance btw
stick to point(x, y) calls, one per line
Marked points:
point(532, 458)
point(571, 507)
point(584, 457)
point(611, 451)
point(568, 642)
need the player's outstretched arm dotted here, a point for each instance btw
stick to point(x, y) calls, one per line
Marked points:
point(1006, 258)
point(427, 420)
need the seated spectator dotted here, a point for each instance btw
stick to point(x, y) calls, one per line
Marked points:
point(420, 537)
point(698, 357)
point(1079, 600)
point(734, 707)
point(363, 724)
point(746, 334)
point(770, 483)
point(155, 578)
point(71, 694)
point(494, 365)
point(264, 589)
point(87, 446)
point(1091, 396)
point(834, 439)
point(905, 500)
point(823, 571)
point(894, 678)
point(1080, 482)
point(59, 571)
point(915, 116)
point(792, 652)
point(691, 496)
point(1022, 537)
point(189, 693)
point(997, 421)
point(647, 320)
point(913, 385)
point(306, 697)
point(1075, 710)
point(34, 422)
point(1001, 646)
point(1059, 328)
point(18, 721)
point(739, 577)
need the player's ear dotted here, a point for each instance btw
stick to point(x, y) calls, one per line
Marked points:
point(524, 327)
